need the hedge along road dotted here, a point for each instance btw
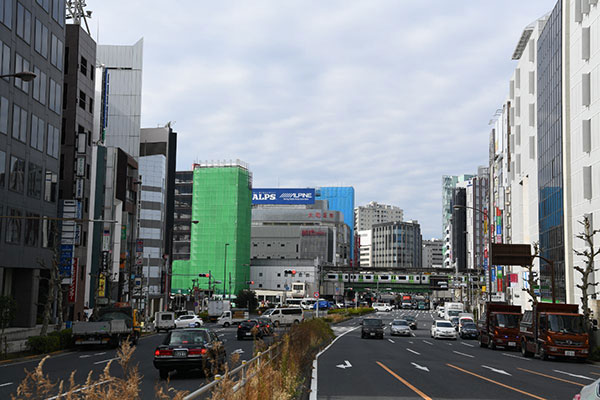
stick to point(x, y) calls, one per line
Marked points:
point(424, 368)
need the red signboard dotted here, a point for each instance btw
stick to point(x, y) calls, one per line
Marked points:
point(312, 232)
point(73, 287)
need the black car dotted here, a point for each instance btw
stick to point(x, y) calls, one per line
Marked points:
point(372, 327)
point(188, 349)
point(412, 321)
point(249, 329)
point(266, 326)
point(468, 330)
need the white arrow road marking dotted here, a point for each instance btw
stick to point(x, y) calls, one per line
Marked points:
point(344, 366)
point(496, 370)
point(420, 367)
point(467, 344)
point(391, 341)
point(238, 351)
point(429, 343)
point(574, 375)
point(6, 384)
point(463, 354)
point(412, 351)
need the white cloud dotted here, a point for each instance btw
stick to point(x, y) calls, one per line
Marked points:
point(384, 96)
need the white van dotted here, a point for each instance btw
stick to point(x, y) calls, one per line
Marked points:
point(164, 320)
point(285, 316)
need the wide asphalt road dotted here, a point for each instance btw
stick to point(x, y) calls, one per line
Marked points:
point(60, 366)
point(418, 367)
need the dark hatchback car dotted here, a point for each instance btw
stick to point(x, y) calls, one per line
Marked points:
point(188, 349)
point(249, 329)
point(412, 321)
point(468, 330)
point(266, 326)
point(372, 327)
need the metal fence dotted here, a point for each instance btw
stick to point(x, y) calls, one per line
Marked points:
point(261, 358)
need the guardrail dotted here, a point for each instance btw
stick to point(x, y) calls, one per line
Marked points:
point(266, 357)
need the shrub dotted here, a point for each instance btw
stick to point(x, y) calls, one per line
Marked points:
point(203, 315)
point(44, 344)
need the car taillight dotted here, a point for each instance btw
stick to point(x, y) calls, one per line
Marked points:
point(196, 351)
point(239, 326)
point(577, 397)
point(163, 352)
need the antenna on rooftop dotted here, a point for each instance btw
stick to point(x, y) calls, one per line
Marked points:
point(76, 12)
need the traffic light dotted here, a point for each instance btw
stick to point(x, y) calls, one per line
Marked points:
point(290, 271)
point(249, 282)
point(204, 275)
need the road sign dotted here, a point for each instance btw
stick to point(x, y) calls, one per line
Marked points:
point(316, 294)
point(511, 254)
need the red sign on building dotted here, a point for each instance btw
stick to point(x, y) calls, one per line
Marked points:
point(73, 287)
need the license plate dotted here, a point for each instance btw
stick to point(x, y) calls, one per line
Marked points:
point(180, 353)
point(372, 333)
point(570, 353)
point(248, 334)
point(512, 343)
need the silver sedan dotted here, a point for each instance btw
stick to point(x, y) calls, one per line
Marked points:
point(400, 327)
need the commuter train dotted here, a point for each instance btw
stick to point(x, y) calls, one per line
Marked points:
point(386, 277)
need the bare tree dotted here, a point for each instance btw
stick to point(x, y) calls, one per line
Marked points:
point(532, 277)
point(53, 288)
point(588, 255)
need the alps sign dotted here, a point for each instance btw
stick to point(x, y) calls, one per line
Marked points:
point(283, 196)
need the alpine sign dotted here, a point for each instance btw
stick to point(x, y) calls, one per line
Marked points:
point(283, 196)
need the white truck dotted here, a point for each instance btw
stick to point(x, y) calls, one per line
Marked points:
point(216, 308)
point(453, 310)
point(164, 320)
point(229, 318)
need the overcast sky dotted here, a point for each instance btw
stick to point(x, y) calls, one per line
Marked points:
point(386, 96)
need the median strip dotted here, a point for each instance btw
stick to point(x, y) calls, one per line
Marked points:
point(496, 382)
point(405, 382)
point(551, 377)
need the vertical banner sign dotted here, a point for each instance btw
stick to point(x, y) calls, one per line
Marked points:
point(102, 286)
point(66, 260)
point(124, 232)
point(106, 240)
point(73, 287)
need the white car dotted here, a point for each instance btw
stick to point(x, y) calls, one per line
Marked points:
point(382, 307)
point(440, 312)
point(442, 329)
point(188, 321)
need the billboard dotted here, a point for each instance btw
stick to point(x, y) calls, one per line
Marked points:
point(283, 196)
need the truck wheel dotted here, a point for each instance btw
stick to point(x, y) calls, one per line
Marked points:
point(226, 325)
point(164, 373)
point(524, 350)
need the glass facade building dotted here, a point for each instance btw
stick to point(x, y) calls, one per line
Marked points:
point(220, 230)
point(340, 199)
point(550, 157)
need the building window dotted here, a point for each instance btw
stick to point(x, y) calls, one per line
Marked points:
point(83, 66)
point(260, 274)
point(4, 115)
point(17, 175)
point(21, 65)
point(58, 11)
point(39, 86)
point(2, 168)
point(38, 127)
point(19, 126)
point(53, 141)
point(32, 229)
point(13, 227)
point(48, 233)
point(23, 23)
point(5, 60)
point(41, 38)
point(307, 275)
point(54, 102)
point(34, 181)
point(45, 4)
point(50, 184)
point(82, 98)
point(91, 105)
point(56, 53)
point(6, 12)
point(278, 285)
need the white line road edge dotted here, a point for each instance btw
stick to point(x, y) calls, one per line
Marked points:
point(467, 344)
point(313, 383)
point(574, 375)
point(412, 351)
point(463, 354)
point(514, 356)
point(6, 384)
point(391, 341)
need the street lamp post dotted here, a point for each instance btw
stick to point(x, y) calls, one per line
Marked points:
point(486, 215)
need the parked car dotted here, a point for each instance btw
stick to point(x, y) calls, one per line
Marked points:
point(249, 329)
point(382, 307)
point(266, 325)
point(164, 320)
point(443, 329)
point(372, 327)
point(412, 321)
point(468, 330)
point(190, 348)
point(400, 327)
point(285, 316)
point(188, 321)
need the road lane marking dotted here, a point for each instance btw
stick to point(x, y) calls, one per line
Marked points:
point(429, 343)
point(496, 382)
point(573, 375)
point(467, 344)
point(414, 389)
point(105, 361)
point(449, 344)
point(595, 373)
point(551, 377)
point(100, 354)
point(500, 371)
point(5, 384)
point(79, 390)
point(345, 365)
point(412, 351)
point(463, 354)
point(391, 341)
point(519, 357)
point(420, 367)
point(85, 356)
point(411, 342)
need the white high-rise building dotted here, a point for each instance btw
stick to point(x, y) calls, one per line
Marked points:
point(366, 240)
point(374, 213)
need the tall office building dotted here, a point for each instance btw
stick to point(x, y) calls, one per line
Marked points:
point(375, 213)
point(397, 245)
point(32, 37)
point(182, 216)
point(432, 253)
point(449, 183)
point(220, 234)
point(340, 199)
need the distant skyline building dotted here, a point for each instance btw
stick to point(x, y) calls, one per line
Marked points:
point(433, 253)
point(182, 216)
point(365, 248)
point(397, 245)
point(375, 213)
point(340, 198)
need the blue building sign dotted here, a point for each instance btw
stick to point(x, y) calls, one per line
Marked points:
point(283, 196)
point(66, 260)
